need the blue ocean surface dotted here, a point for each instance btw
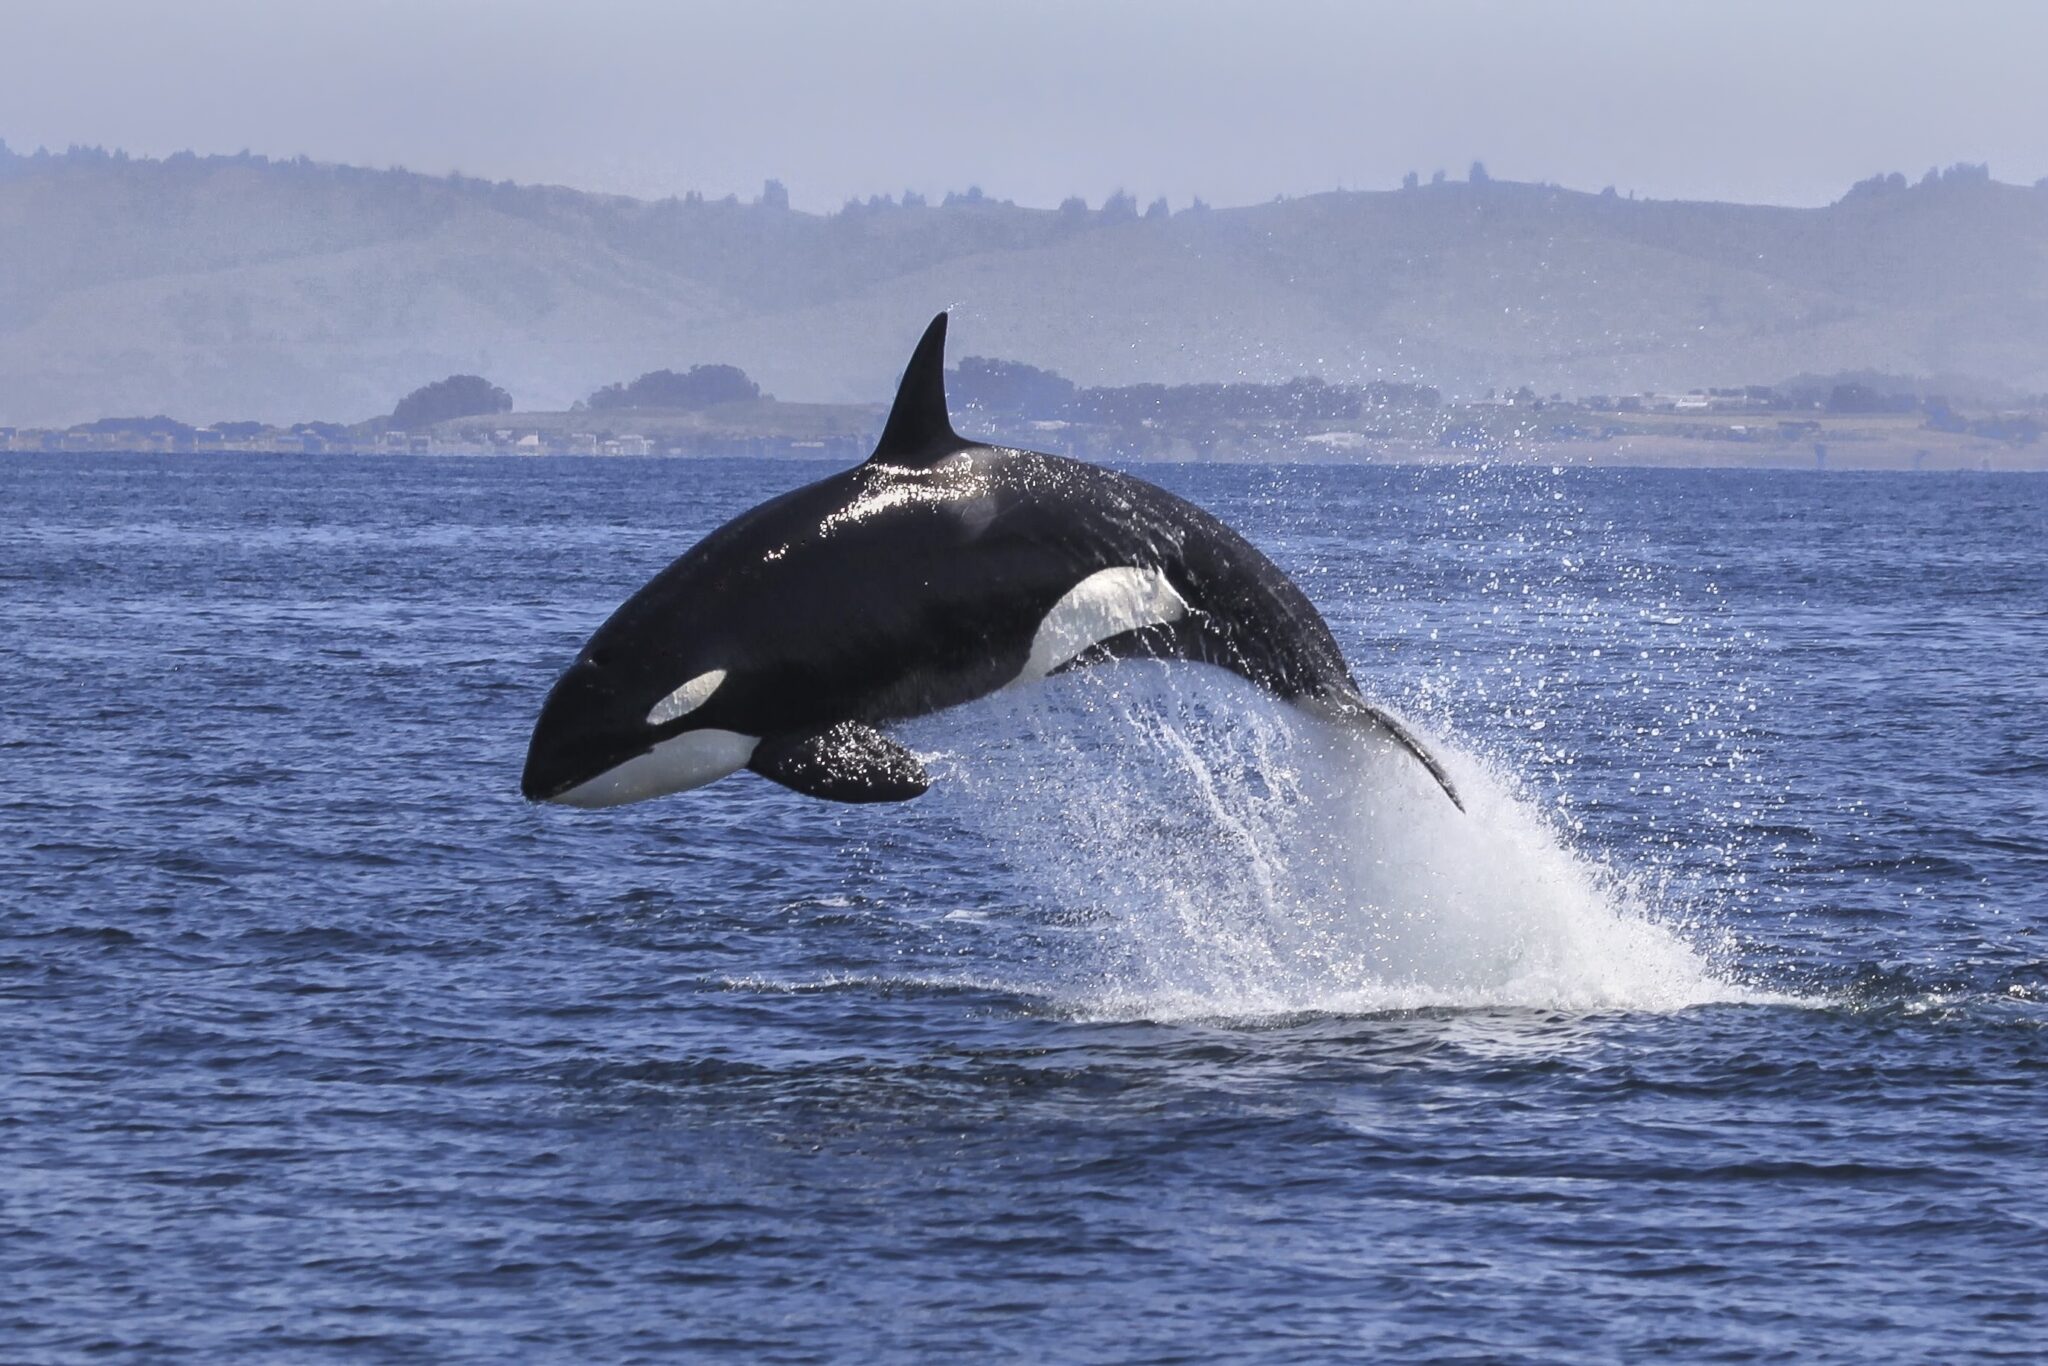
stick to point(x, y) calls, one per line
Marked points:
point(1160, 1030)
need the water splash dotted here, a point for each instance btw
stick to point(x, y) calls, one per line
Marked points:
point(1229, 857)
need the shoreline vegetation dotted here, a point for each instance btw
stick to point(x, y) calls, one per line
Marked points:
point(1835, 423)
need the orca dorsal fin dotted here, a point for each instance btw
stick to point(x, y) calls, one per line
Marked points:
point(919, 430)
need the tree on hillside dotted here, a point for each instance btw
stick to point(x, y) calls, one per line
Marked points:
point(1010, 387)
point(455, 396)
point(136, 426)
point(701, 387)
point(1862, 398)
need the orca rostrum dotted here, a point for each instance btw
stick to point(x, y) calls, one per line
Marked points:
point(937, 572)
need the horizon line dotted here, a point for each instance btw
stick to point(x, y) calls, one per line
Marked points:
point(1438, 178)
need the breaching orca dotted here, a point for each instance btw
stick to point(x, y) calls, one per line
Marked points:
point(937, 572)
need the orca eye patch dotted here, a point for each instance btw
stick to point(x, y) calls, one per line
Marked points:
point(686, 698)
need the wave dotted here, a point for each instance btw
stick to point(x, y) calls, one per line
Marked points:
point(1236, 859)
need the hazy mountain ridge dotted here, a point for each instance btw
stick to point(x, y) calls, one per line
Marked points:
point(237, 287)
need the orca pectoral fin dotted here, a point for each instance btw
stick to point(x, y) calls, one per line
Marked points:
point(847, 762)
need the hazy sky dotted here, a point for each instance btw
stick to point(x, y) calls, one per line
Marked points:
point(1784, 102)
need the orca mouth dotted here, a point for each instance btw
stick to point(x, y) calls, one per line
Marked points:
point(555, 768)
point(548, 787)
point(633, 773)
point(572, 744)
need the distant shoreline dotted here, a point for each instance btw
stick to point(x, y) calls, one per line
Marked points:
point(1651, 432)
point(1580, 457)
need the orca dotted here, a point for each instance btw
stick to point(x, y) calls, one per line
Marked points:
point(937, 572)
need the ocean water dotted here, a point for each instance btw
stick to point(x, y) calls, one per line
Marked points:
point(1164, 1029)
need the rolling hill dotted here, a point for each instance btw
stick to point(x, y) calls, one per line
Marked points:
point(233, 287)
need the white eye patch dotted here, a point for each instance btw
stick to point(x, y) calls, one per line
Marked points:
point(686, 699)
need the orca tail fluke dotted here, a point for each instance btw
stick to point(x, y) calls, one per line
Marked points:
point(1357, 712)
point(1406, 738)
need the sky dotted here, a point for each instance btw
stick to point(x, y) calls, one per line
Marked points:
point(1785, 102)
